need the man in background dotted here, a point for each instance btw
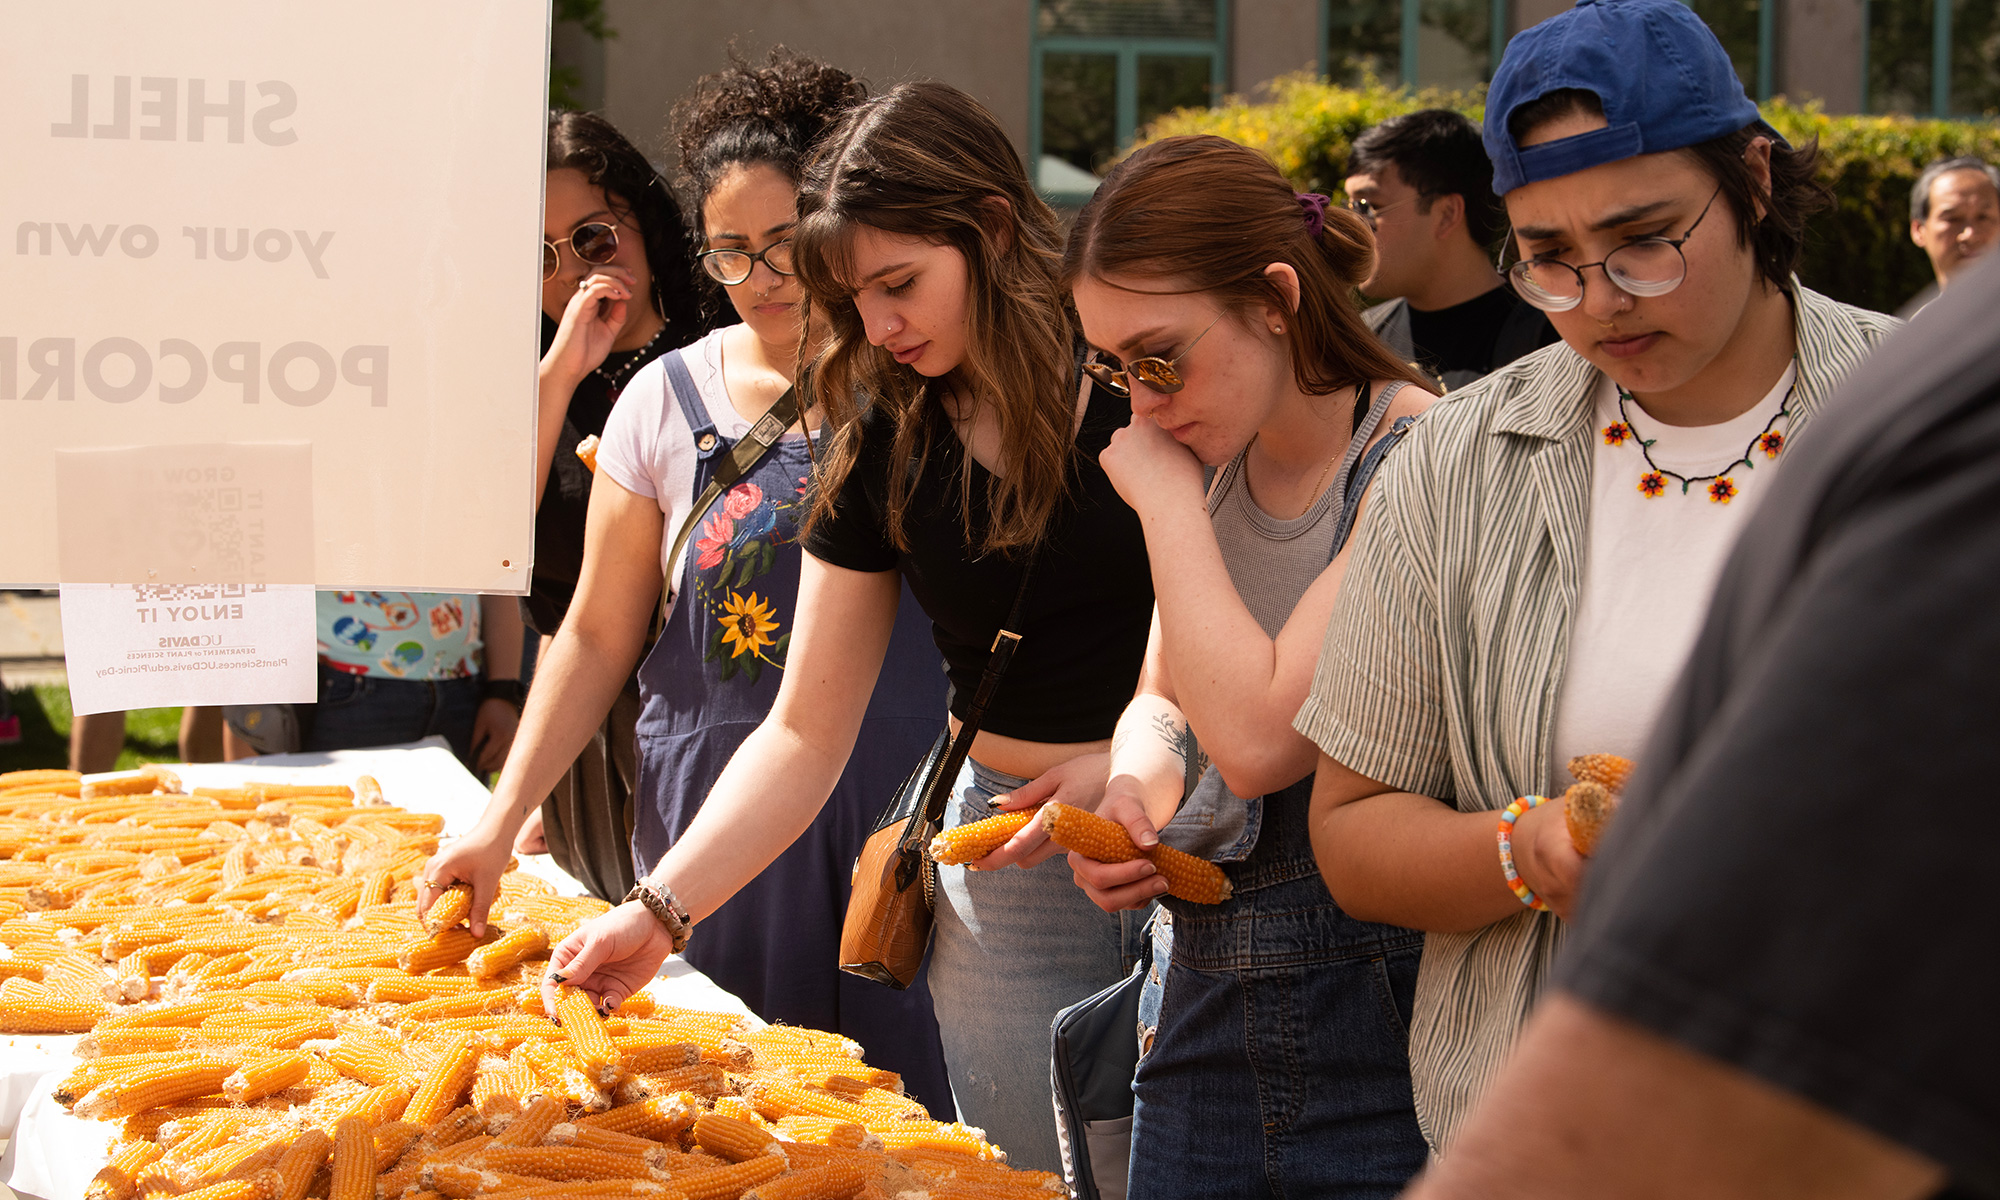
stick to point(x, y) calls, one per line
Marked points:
point(1954, 218)
point(1423, 182)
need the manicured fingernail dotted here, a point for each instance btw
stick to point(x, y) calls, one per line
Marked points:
point(558, 976)
point(996, 802)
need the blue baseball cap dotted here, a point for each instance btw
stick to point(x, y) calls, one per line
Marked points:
point(1663, 79)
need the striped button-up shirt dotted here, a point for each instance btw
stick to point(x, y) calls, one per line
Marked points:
point(1444, 659)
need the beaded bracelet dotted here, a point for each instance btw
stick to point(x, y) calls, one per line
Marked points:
point(1515, 883)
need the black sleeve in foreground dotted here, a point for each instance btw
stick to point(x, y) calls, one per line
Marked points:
point(1811, 894)
point(854, 535)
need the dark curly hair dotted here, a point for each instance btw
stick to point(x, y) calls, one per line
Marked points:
point(588, 143)
point(750, 116)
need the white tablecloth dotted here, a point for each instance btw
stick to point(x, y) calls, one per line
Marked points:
point(52, 1155)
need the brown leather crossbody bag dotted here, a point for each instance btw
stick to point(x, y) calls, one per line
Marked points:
point(893, 905)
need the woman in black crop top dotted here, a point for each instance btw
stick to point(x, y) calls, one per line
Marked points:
point(936, 266)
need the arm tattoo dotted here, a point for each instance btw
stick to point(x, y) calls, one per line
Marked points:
point(1180, 736)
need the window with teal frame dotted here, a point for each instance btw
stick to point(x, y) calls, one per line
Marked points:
point(1456, 43)
point(1931, 58)
point(1103, 69)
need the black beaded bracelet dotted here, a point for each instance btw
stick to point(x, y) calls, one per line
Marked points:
point(666, 907)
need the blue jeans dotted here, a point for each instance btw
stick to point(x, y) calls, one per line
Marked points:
point(1279, 1064)
point(1013, 948)
point(358, 711)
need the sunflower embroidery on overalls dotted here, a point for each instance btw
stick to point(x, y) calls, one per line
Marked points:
point(738, 542)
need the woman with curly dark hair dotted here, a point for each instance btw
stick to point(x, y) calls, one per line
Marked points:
point(713, 675)
point(618, 291)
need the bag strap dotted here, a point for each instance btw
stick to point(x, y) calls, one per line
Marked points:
point(1357, 486)
point(782, 415)
point(1005, 642)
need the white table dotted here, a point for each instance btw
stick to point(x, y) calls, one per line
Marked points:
point(52, 1155)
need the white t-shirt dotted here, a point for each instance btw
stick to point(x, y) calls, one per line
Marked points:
point(1650, 564)
point(648, 446)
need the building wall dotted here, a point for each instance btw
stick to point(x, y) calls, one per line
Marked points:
point(1270, 38)
point(663, 47)
point(1819, 52)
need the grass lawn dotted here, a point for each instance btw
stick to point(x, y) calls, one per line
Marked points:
point(151, 734)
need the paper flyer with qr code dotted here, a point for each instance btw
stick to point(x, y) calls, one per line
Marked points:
point(167, 645)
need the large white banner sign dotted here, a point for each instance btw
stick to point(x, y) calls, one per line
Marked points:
point(240, 234)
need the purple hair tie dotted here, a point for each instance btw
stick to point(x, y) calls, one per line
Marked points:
point(1313, 206)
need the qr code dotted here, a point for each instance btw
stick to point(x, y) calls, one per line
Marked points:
point(147, 593)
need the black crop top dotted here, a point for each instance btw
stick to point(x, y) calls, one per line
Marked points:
point(1089, 606)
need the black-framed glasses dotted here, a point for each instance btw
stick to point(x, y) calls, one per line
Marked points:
point(1650, 266)
point(594, 244)
point(731, 267)
point(1368, 210)
point(1160, 375)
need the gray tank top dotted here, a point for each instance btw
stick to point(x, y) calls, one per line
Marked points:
point(1272, 562)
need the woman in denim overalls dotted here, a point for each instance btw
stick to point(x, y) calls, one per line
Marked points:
point(1274, 1055)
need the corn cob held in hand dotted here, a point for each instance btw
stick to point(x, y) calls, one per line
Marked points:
point(969, 843)
point(1192, 879)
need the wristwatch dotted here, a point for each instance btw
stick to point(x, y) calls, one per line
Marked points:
point(509, 690)
point(660, 900)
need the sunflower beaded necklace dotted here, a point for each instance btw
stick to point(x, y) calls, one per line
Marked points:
point(1721, 487)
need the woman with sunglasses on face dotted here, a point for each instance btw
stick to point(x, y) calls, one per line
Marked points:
point(962, 448)
point(742, 134)
point(618, 291)
point(1277, 1066)
point(1541, 548)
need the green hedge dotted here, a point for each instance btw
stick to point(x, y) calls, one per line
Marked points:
point(1859, 252)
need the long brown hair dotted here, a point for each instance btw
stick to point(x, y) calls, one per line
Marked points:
point(925, 160)
point(1205, 214)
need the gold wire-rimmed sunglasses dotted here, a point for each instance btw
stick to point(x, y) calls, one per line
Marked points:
point(594, 244)
point(1160, 375)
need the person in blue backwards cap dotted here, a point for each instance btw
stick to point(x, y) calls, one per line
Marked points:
point(1538, 555)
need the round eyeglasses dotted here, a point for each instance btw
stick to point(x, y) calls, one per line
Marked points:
point(594, 244)
point(1649, 266)
point(1160, 375)
point(731, 267)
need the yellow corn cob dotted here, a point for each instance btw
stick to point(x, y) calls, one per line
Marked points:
point(738, 1108)
point(638, 1004)
point(468, 1004)
point(660, 1118)
point(151, 1087)
point(37, 777)
point(447, 1082)
point(579, 1018)
point(730, 1182)
point(260, 1077)
point(30, 1007)
point(563, 1162)
point(459, 1179)
point(214, 1165)
point(128, 1041)
point(1193, 879)
point(657, 1060)
point(353, 1161)
point(702, 1078)
point(590, 1137)
point(935, 1135)
point(541, 1115)
point(261, 1186)
point(727, 1137)
point(302, 1160)
point(452, 906)
point(118, 1180)
point(969, 843)
point(517, 947)
point(825, 1131)
point(446, 948)
point(817, 1183)
point(777, 1098)
point(408, 989)
point(121, 785)
point(1608, 771)
point(392, 1141)
point(371, 1058)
